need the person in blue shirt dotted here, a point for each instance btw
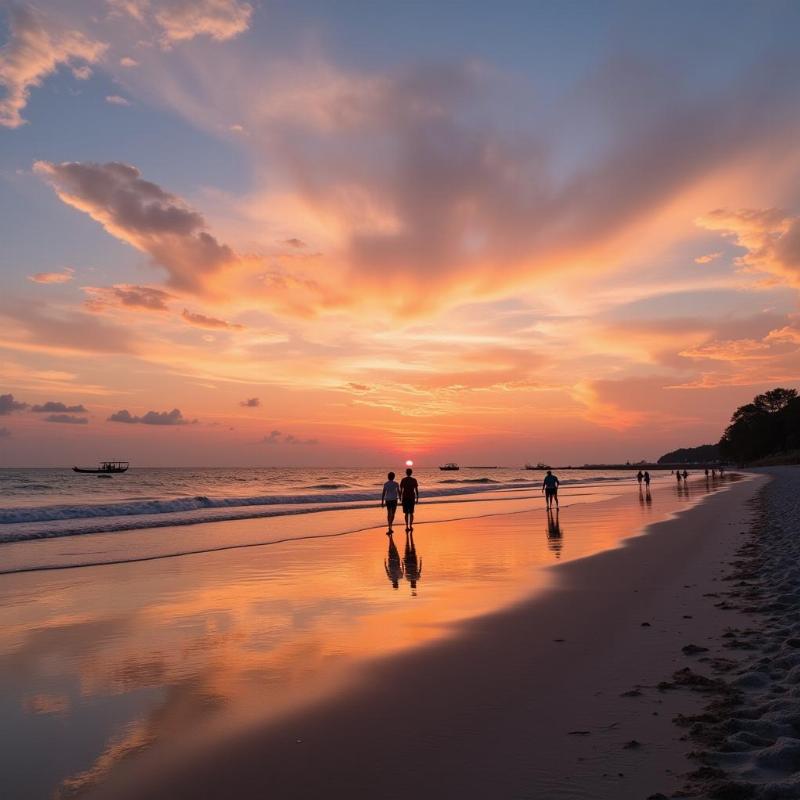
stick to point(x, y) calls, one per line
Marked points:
point(550, 489)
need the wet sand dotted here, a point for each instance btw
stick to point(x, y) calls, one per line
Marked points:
point(297, 670)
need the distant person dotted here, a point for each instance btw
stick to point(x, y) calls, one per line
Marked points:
point(721, 470)
point(392, 565)
point(685, 474)
point(713, 473)
point(639, 477)
point(678, 476)
point(412, 564)
point(706, 473)
point(389, 497)
point(647, 479)
point(409, 497)
point(550, 489)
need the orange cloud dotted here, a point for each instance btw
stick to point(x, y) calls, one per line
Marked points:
point(183, 20)
point(36, 49)
point(707, 259)
point(64, 276)
point(770, 236)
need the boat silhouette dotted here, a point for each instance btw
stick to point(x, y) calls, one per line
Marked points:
point(105, 468)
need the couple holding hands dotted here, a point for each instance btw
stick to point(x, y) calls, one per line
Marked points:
point(406, 492)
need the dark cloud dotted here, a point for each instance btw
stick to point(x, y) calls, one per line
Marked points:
point(294, 242)
point(142, 214)
point(252, 402)
point(275, 437)
point(68, 419)
point(359, 388)
point(291, 439)
point(174, 417)
point(129, 296)
point(8, 404)
point(53, 406)
point(202, 321)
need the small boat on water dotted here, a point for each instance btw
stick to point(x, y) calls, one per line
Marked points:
point(105, 468)
point(450, 467)
point(538, 466)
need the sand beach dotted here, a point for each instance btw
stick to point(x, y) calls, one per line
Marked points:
point(530, 656)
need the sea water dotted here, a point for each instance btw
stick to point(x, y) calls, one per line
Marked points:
point(45, 503)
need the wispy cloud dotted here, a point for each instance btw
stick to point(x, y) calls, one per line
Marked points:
point(252, 402)
point(117, 100)
point(203, 321)
point(708, 258)
point(35, 50)
point(67, 419)
point(65, 275)
point(146, 298)
point(182, 20)
point(770, 236)
point(276, 437)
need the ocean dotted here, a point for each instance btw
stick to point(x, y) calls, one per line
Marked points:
point(47, 503)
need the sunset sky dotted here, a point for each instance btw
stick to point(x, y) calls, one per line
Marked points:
point(288, 233)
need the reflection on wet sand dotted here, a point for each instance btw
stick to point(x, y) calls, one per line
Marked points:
point(555, 536)
point(412, 564)
point(107, 664)
point(392, 565)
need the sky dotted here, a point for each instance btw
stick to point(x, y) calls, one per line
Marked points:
point(333, 234)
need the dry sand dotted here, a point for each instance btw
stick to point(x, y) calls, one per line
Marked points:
point(553, 698)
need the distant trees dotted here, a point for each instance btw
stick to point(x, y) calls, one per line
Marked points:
point(705, 453)
point(768, 426)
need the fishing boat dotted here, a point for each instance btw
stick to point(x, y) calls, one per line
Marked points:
point(451, 466)
point(105, 468)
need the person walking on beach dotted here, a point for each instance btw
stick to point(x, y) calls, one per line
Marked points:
point(639, 477)
point(685, 475)
point(647, 479)
point(409, 497)
point(391, 492)
point(550, 489)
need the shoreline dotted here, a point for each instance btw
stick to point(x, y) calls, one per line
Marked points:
point(550, 697)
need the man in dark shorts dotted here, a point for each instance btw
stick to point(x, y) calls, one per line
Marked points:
point(550, 489)
point(409, 497)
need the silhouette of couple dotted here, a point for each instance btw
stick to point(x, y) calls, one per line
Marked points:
point(406, 492)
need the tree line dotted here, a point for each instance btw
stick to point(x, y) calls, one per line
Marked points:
point(767, 427)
